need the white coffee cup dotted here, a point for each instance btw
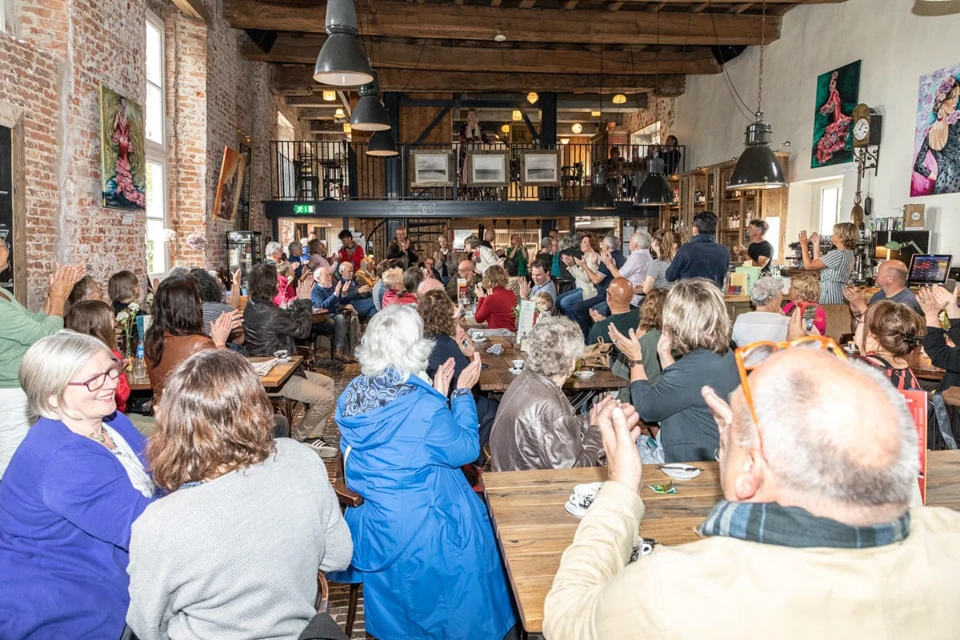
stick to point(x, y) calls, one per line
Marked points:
point(281, 355)
point(477, 335)
point(517, 365)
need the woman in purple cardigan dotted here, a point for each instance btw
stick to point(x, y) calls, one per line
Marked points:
point(69, 497)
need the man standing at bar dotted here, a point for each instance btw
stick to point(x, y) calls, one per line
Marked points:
point(814, 537)
point(702, 257)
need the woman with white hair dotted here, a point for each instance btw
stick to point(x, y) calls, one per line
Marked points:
point(694, 350)
point(423, 543)
point(69, 497)
point(536, 426)
point(483, 256)
point(768, 322)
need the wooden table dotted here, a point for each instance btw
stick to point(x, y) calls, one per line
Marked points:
point(922, 367)
point(469, 323)
point(320, 315)
point(533, 528)
point(277, 377)
point(497, 378)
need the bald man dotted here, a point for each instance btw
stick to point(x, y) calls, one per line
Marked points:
point(467, 271)
point(892, 281)
point(814, 536)
point(619, 296)
point(429, 284)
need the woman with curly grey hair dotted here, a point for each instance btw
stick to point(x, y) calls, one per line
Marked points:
point(536, 426)
point(768, 322)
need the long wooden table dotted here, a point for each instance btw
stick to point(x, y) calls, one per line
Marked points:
point(497, 377)
point(276, 378)
point(534, 529)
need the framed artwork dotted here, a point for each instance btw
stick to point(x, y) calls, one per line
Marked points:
point(486, 169)
point(540, 167)
point(123, 172)
point(838, 92)
point(936, 168)
point(432, 168)
point(230, 185)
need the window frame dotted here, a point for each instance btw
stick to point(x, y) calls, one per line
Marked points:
point(838, 187)
point(154, 152)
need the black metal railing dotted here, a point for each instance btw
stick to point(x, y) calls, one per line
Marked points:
point(312, 171)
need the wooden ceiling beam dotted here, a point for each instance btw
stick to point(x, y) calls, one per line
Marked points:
point(483, 23)
point(312, 100)
point(614, 6)
point(293, 49)
point(298, 80)
point(740, 8)
point(570, 5)
point(527, 4)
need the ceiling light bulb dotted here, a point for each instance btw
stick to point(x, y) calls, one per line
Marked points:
point(564, 140)
point(499, 38)
point(595, 114)
point(505, 128)
point(339, 113)
point(532, 97)
point(329, 96)
point(577, 127)
point(517, 115)
point(619, 99)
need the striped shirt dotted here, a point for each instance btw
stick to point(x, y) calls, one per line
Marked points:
point(212, 311)
point(835, 275)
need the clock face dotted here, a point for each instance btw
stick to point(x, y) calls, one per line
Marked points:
point(861, 129)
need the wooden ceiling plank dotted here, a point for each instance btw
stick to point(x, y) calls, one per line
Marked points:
point(298, 79)
point(194, 8)
point(700, 7)
point(304, 50)
point(614, 6)
point(527, 4)
point(570, 5)
point(483, 23)
point(740, 8)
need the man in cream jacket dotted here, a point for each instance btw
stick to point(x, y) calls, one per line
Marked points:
point(815, 537)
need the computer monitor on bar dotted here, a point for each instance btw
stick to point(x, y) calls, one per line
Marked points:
point(929, 269)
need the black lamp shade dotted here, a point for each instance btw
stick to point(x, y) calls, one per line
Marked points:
point(342, 62)
point(655, 190)
point(381, 145)
point(600, 198)
point(369, 115)
point(758, 166)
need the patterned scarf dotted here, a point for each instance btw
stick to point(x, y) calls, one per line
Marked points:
point(368, 393)
point(771, 523)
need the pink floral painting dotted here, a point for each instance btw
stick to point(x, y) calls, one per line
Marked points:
point(936, 142)
point(122, 163)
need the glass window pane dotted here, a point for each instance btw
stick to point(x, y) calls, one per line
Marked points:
point(154, 114)
point(154, 55)
point(156, 249)
point(155, 190)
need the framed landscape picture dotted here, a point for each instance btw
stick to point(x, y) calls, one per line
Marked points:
point(487, 169)
point(540, 168)
point(432, 168)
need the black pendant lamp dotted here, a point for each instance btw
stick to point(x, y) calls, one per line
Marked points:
point(342, 62)
point(381, 145)
point(369, 114)
point(655, 190)
point(600, 198)
point(758, 166)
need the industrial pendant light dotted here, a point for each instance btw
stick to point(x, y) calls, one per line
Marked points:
point(381, 145)
point(600, 198)
point(758, 166)
point(655, 190)
point(369, 114)
point(342, 62)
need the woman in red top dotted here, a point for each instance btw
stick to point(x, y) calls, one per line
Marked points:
point(887, 335)
point(401, 286)
point(497, 303)
point(95, 318)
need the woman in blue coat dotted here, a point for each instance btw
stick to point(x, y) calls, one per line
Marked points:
point(69, 497)
point(423, 543)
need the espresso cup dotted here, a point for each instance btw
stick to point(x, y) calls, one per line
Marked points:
point(518, 365)
point(281, 355)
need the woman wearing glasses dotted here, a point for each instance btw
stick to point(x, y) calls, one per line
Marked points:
point(694, 351)
point(69, 497)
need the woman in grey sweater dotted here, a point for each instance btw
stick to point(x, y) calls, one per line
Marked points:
point(694, 351)
point(234, 549)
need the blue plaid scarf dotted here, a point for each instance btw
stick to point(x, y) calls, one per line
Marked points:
point(771, 523)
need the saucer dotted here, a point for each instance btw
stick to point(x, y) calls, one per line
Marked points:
point(679, 470)
point(515, 372)
point(584, 374)
point(574, 510)
point(480, 339)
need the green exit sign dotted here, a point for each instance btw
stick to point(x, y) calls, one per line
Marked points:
point(304, 209)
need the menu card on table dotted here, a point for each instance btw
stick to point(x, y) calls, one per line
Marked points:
point(917, 405)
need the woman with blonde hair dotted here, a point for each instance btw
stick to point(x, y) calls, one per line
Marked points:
point(804, 293)
point(695, 326)
point(497, 303)
point(234, 546)
point(396, 280)
point(836, 266)
point(665, 245)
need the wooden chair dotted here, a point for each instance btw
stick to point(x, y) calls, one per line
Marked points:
point(323, 592)
point(348, 499)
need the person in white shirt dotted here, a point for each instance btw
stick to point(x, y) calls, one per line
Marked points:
point(767, 323)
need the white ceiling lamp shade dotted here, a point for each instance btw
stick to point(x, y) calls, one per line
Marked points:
point(564, 141)
point(342, 62)
point(369, 114)
point(339, 114)
point(577, 128)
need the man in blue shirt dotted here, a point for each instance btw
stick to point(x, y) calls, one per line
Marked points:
point(701, 257)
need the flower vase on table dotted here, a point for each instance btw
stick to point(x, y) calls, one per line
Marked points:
point(126, 321)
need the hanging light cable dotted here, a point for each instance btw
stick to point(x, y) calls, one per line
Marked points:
point(655, 190)
point(758, 166)
point(600, 198)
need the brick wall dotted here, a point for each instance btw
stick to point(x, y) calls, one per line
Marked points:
point(51, 66)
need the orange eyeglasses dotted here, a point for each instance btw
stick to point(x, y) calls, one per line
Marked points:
point(754, 354)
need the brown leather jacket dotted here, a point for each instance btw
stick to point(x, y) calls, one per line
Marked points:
point(538, 428)
point(176, 349)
